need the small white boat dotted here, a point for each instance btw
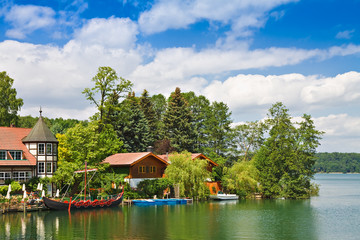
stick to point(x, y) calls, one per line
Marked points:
point(223, 196)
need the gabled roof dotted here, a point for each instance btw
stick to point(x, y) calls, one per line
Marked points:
point(193, 156)
point(129, 159)
point(40, 133)
point(10, 139)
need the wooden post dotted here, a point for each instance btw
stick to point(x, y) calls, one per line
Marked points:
point(69, 205)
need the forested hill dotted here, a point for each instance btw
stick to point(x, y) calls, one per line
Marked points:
point(337, 162)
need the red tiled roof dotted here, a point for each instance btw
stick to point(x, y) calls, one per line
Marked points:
point(11, 139)
point(193, 156)
point(128, 159)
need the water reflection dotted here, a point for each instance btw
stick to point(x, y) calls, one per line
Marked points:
point(215, 220)
point(328, 216)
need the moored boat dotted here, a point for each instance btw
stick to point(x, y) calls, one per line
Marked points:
point(84, 204)
point(65, 205)
point(223, 196)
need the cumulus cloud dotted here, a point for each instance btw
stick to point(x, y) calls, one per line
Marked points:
point(109, 33)
point(27, 18)
point(295, 90)
point(241, 15)
point(341, 132)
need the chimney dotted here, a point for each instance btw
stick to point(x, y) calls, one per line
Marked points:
point(150, 149)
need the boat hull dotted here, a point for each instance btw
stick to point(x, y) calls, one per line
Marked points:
point(56, 205)
point(220, 197)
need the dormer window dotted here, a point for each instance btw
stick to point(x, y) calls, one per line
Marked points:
point(16, 155)
point(41, 148)
point(2, 155)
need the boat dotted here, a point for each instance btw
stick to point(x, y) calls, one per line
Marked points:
point(83, 204)
point(151, 202)
point(224, 196)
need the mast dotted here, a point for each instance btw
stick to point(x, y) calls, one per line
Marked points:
point(85, 181)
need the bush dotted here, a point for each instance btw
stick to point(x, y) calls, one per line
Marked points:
point(149, 188)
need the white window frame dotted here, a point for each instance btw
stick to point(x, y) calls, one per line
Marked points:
point(49, 146)
point(43, 167)
point(49, 166)
point(43, 149)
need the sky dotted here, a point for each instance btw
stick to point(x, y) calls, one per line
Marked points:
point(247, 54)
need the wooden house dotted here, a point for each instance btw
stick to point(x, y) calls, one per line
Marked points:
point(26, 152)
point(138, 166)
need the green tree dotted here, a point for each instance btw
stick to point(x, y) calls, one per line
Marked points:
point(110, 88)
point(178, 126)
point(286, 158)
point(249, 137)
point(189, 174)
point(241, 178)
point(149, 112)
point(84, 143)
point(131, 125)
point(9, 104)
point(218, 129)
point(200, 109)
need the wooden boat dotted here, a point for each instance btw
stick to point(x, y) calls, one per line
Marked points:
point(65, 205)
point(84, 204)
point(223, 196)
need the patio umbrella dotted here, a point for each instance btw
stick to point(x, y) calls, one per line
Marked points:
point(8, 195)
point(57, 193)
point(43, 193)
point(38, 186)
point(41, 186)
point(9, 188)
point(25, 195)
point(23, 187)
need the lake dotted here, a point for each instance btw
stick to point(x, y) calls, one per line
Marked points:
point(334, 214)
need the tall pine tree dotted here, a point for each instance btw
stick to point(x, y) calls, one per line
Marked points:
point(178, 126)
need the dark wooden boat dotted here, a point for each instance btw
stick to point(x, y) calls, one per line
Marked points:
point(57, 205)
point(83, 204)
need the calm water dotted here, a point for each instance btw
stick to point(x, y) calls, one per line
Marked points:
point(335, 214)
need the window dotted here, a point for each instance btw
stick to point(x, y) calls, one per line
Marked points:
point(2, 155)
point(54, 166)
point(142, 169)
point(41, 167)
point(48, 148)
point(152, 169)
point(5, 175)
point(16, 155)
point(48, 167)
point(41, 148)
point(21, 176)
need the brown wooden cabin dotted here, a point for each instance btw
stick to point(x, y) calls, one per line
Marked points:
point(139, 166)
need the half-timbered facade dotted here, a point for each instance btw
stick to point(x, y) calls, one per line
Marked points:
point(26, 152)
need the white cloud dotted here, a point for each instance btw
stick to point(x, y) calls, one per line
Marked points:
point(109, 33)
point(297, 91)
point(341, 133)
point(347, 34)
point(27, 18)
point(175, 14)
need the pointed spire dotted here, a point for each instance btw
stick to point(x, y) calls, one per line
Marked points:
point(40, 132)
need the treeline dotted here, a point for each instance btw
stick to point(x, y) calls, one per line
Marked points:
point(337, 162)
point(274, 157)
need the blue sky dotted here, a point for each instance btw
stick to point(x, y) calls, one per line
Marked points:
point(248, 54)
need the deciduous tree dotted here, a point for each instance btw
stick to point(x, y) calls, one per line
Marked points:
point(9, 103)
